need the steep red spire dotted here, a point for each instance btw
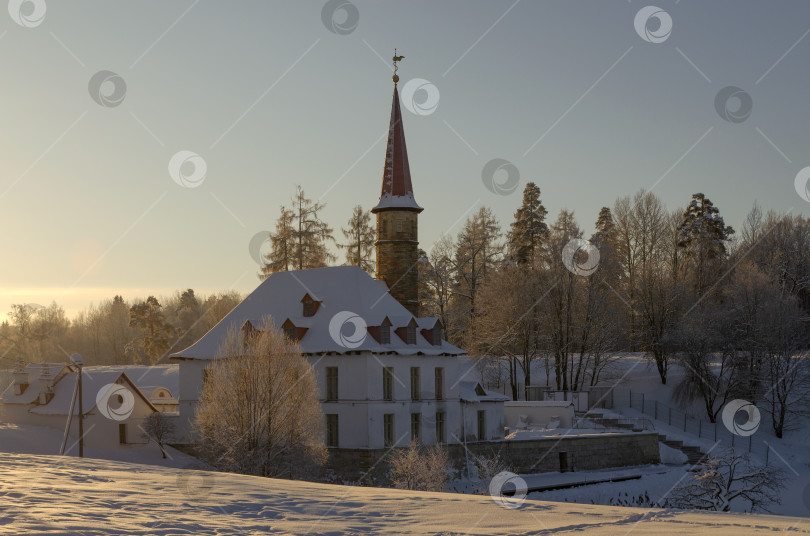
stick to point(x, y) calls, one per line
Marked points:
point(397, 191)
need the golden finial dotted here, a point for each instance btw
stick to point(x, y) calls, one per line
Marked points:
point(397, 59)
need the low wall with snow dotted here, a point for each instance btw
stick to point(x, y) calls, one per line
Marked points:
point(579, 453)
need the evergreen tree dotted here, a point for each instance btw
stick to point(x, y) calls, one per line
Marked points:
point(605, 228)
point(189, 311)
point(360, 236)
point(157, 332)
point(529, 229)
point(702, 236)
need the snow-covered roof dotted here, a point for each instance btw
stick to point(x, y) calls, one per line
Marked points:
point(92, 385)
point(473, 392)
point(93, 380)
point(37, 372)
point(349, 297)
point(167, 376)
point(397, 201)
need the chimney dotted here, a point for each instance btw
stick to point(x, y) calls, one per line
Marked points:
point(45, 385)
point(20, 376)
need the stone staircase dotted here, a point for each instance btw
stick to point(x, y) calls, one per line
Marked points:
point(693, 454)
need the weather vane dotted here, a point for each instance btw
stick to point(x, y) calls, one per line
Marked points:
point(397, 59)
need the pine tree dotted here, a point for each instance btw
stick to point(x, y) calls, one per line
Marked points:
point(703, 235)
point(299, 241)
point(529, 230)
point(605, 228)
point(360, 236)
point(157, 332)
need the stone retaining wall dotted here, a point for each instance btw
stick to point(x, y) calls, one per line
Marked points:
point(575, 453)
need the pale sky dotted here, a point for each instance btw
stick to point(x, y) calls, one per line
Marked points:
point(269, 97)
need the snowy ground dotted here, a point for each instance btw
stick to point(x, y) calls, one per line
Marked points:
point(634, 372)
point(48, 495)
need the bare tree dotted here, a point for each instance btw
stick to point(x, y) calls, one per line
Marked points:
point(728, 477)
point(710, 377)
point(299, 241)
point(787, 365)
point(477, 250)
point(158, 428)
point(509, 329)
point(360, 236)
point(259, 411)
point(282, 241)
point(418, 467)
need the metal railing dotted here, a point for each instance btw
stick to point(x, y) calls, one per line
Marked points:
point(703, 429)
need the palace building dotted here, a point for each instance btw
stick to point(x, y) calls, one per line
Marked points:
point(385, 374)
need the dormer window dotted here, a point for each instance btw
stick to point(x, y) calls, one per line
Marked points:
point(291, 331)
point(249, 334)
point(381, 333)
point(310, 305)
point(385, 334)
point(434, 334)
point(408, 333)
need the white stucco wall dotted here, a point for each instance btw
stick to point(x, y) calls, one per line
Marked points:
point(539, 413)
point(360, 406)
point(100, 431)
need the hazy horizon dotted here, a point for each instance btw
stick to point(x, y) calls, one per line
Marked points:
point(269, 98)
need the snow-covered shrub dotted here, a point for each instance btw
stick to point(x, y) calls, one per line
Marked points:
point(418, 467)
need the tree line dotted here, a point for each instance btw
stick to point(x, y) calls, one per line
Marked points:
point(730, 309)
point(114, 332)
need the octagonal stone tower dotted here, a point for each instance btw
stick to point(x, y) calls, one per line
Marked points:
point(397, 218)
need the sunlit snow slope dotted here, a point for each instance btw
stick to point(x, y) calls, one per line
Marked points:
point(65, 495)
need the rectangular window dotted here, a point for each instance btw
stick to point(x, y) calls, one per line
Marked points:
point(440, 435)
point(309, 308)
point(399, 226)
point(331, 383)
point(416, 391)
point(290, 333)
point(482, 425)
point(331, 430)
point(416, 426)
point(388, 429)
point(411, 334)
point(122, 433)
point(385, 334)
point(388, 383)
point(437, 336)
point(439, 377)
